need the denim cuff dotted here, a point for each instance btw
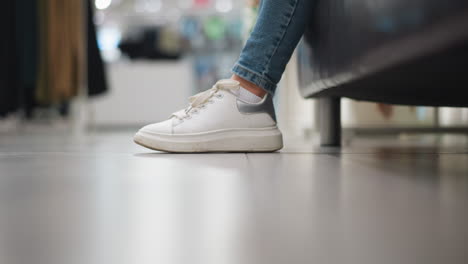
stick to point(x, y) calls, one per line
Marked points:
point(255, 78)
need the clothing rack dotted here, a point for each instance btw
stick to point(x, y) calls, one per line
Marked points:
point(48, 73)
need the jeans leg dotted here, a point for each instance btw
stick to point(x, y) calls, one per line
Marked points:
point(280, 26)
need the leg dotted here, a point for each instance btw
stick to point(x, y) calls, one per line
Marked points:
point(279, 27)
point(330, 121)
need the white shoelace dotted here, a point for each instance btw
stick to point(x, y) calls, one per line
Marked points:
point(199, 100)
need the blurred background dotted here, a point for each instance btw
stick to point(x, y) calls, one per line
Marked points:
point(79, 77)
point(95, 65)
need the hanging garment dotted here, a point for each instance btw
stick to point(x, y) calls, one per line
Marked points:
point(27, 52)
point(9, 95)
point(97, 81)
point(42, 51)
point(62, 50)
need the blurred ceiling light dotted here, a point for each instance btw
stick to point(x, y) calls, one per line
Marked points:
point(102, 4)
point(224, 6)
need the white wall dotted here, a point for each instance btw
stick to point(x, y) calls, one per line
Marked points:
point(142, 92)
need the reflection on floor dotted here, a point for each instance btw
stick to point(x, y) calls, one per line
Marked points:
point(101, 199)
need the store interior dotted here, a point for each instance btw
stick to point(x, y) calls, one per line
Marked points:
point(144, 58)
point(74, 188)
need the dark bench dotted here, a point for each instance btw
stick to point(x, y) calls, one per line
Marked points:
point(390, 51)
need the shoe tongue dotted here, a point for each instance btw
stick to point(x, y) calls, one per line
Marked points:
point(228, 83)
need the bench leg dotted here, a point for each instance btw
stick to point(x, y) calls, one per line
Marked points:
point(330, 121)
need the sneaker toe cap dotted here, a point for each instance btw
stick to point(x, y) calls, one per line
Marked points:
point(158, 128)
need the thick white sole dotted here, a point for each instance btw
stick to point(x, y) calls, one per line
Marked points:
point(226, 140)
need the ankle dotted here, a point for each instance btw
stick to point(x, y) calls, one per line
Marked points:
point(251, 87)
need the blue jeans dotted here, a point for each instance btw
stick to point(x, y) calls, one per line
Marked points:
point(280, 26)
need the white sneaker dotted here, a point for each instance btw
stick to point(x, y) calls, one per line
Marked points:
point(216, 121)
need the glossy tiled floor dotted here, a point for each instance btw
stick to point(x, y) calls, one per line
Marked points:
point(101, 199)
